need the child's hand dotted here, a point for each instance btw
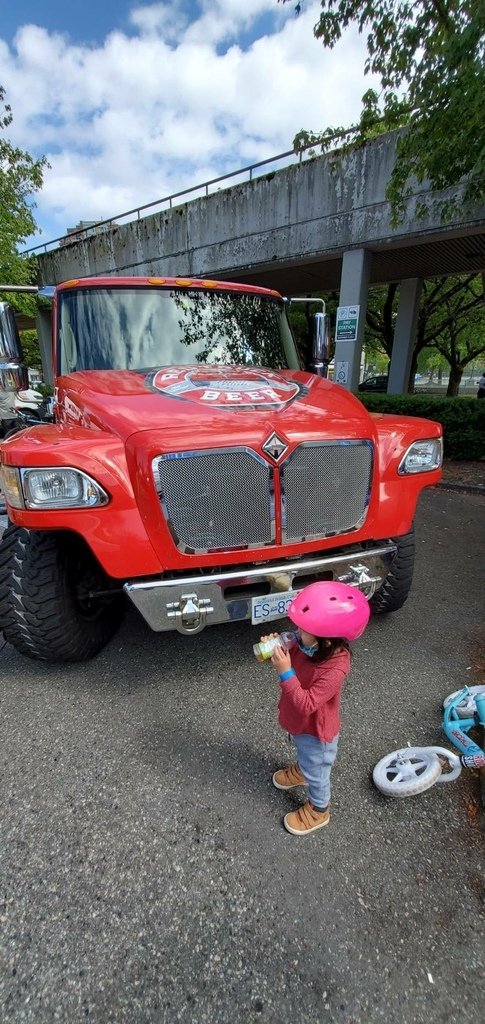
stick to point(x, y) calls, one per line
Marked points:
point(281, 659)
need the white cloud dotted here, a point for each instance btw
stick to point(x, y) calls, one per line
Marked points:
point(171, 104)
point(165, 20)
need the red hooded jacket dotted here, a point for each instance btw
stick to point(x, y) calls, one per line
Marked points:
point(310, 700)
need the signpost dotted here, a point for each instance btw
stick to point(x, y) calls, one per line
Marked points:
point(347, 323)
point(341, 372)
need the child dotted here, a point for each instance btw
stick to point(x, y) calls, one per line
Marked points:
point(312, 672)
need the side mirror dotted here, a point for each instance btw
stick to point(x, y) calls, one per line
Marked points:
point(13, 372)
point(320, 344)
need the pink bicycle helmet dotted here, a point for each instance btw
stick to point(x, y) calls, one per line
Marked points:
point(330, 609)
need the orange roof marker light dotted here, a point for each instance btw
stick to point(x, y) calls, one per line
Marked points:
point(184, 280)
point(157, 280)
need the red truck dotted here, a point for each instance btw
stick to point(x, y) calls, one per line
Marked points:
point(196, 469)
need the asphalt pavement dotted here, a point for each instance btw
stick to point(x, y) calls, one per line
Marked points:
point(146, 876)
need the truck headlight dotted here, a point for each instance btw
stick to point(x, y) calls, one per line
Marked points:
point(60, 487)
point(422, 456)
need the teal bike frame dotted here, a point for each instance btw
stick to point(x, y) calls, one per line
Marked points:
point(456, 728)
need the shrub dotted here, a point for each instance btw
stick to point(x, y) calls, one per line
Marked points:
point(46, 390)
point(462, 419)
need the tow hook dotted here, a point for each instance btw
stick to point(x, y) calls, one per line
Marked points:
point(190, 613)
point(358, 576)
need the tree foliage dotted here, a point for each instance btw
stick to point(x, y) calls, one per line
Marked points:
point(20, 178)
point(451, 321)
point(31, 350)
point(450, 330)
point(430, 58)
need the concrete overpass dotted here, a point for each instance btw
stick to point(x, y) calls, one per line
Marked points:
point(303, 229)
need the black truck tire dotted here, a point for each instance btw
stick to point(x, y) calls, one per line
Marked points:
point(397, 584)
point(47, 608)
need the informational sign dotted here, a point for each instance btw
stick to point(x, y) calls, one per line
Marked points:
point(341, 373)
point(347, 323)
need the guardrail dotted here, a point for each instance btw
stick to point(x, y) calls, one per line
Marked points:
point(135, 213)
point(290, 155)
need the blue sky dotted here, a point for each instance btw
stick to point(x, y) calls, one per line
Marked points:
point(132, 101)
point(86, 22)
point(89, 22)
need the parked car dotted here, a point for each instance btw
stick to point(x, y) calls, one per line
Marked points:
point(376, 383)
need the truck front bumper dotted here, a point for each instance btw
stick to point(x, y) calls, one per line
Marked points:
point(190, 604)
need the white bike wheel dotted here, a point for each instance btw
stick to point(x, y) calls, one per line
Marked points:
point(453, 763)
point(407, 772)
point(467, 707)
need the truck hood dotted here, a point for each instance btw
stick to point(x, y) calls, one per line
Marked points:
point(191, 405)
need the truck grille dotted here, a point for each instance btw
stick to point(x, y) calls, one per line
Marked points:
point(224, 498)
point(216, 499)
point(325, 489)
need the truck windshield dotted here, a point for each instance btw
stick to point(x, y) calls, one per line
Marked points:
point(137, 328)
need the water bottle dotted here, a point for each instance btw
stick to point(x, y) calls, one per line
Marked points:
point(264, 650)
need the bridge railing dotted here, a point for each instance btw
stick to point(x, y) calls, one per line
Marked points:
point(240, 176)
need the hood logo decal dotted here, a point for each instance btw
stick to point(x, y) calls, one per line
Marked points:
point(275, 447)
point(227, 387)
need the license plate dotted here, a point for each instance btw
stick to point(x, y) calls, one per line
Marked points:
point(273, 606)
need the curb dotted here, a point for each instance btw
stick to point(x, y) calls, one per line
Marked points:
point(467, 488)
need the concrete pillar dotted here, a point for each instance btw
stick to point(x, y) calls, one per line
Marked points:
point(404, 335)
point(354, 287)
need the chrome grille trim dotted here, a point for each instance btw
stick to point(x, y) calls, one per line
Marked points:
point(325, 488)
point(216, 498)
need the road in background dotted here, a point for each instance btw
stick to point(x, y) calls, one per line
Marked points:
point(468, 388)
point(146, 876)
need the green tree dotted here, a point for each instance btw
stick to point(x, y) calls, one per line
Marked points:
point(31, 350)
point(457, 327)
point(20, 178)
point(451, 322)
point(430, 58)
point(380, 321)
